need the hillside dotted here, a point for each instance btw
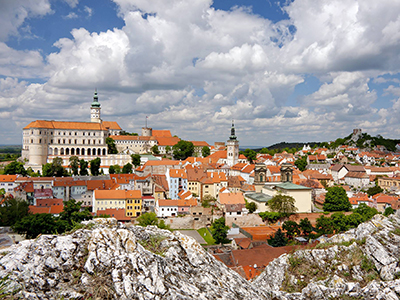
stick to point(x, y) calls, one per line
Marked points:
point(106, 260)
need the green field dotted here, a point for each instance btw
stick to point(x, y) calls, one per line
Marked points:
point(207, 237)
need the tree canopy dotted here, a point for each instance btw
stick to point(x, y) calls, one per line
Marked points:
point(95, 166)
point(73, 213)
point(54, 168)
point(155, 150)
point(278, 240)
point(83, 164)
point(182, 150)
point(219, 230)
point(292, 229)
point(250, 155)
point(251, 207)
point(74, 164)
point(150, 218)
point(336, 200)
point(14, 168)
point(283, 204)
point(205, 151)
point(135, 160)
point(33, 225)
point(301, 163)
point(127, 169)
point(112, 148)
point(12, 210)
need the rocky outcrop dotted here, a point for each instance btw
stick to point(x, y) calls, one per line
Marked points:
point(113, 261)
point(362, 263)
point(107, 260)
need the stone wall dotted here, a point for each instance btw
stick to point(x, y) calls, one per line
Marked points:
point(245, 221)
point(189, 222)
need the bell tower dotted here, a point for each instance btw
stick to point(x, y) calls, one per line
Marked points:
point(232, 153)
point(95, 109)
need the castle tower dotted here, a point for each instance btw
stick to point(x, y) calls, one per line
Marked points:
point(95, 109)
point(232, 148)
point(146, 131)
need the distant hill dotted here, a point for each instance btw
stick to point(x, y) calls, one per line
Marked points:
point(10, 149)
point(365, 141)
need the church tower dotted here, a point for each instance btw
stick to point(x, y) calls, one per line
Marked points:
point(232, 148)
point(95, 109)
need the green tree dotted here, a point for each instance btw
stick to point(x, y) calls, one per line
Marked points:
point(33, 225)
point(111, 170)
point(147, 219)
point(292, 229)
point(155, 150)
point(388, 211)
point(251, 207)
point(168, 149)
point(306, 226)
point(14, 168)
point(374, 190)
point(150, 218)
point(250, 155)
point(95, 166)
point(271, 217)
point(365, 211)
point(73, 213)
point(127, 169)
point(183, 150)
point(339, 222)
point(324, 225)
point(301, 163)
point(283, 204)
point(336, 200)
point(12, 210)
point(219, 230)
point(354, 220)
point(83, 164)
point(74, 164)
point(112, 149)
point(279, 239)
point(54, 168)
point(135, 160)
point(205, 151)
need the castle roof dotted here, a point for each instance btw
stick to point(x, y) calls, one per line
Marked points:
point(105, 125)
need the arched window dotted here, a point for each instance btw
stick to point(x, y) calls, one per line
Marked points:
point(83, 151)
point(99, 151)
point(55, 151)
point(104, 151)
point(88, 151)
point(72, 151)
point(94, 151)
point(77, 151)
point(62, 151)
point(67, 151)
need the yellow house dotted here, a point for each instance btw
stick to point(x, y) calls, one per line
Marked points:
point(301, 194)
point(129, 200)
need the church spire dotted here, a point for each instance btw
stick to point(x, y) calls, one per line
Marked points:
point(233, 136)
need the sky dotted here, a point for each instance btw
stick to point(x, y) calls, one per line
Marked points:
point(284, 71)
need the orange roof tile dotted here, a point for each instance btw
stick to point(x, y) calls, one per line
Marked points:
point(187, 202)
point(167, 202)
point(105, 125)
point(167, 162)
point(161, 133)
point(200, 143)
point(99, 184)
point(167, 141)
point(177, 173)
point(231, 198)
point(117, 194)
point(8, 178)
point(119, 214)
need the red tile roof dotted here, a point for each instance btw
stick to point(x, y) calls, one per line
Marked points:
point(105, 125)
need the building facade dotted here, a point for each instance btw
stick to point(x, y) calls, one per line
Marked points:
point(44, 140)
